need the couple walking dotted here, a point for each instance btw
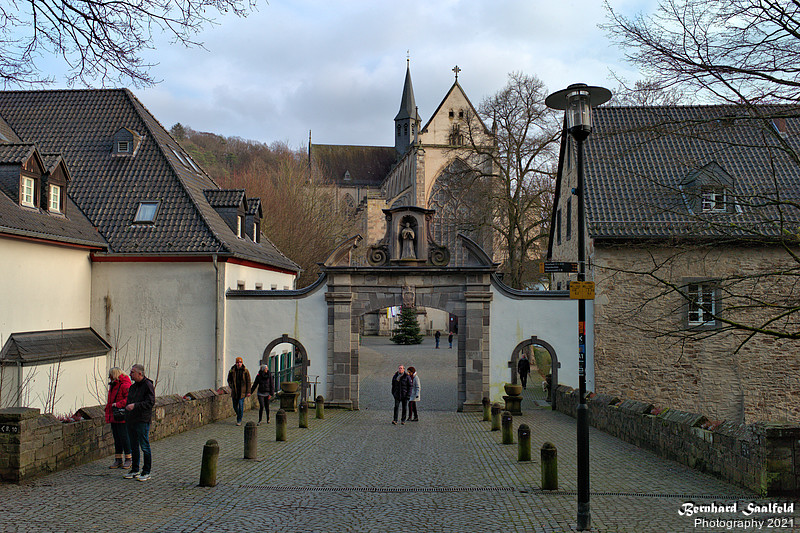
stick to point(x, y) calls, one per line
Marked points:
point(406, 390)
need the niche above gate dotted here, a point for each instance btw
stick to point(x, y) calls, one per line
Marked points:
point(408, 240)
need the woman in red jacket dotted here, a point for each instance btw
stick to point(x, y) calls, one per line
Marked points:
point(118, 397)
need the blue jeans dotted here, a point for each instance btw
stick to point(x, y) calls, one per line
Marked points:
point(139, 435)
point(238, 407)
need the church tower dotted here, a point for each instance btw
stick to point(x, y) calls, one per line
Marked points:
point(406, 123)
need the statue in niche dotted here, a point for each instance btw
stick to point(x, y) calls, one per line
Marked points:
point(407, 236)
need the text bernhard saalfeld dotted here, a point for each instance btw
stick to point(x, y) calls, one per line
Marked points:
point(747, 509)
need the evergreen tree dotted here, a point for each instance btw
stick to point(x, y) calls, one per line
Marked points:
point(407, 331)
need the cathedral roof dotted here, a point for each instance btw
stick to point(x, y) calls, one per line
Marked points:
point(354, 165)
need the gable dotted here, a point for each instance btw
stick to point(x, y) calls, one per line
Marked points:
point(454, 108)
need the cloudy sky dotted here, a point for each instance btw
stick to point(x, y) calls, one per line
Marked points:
point(337, 67)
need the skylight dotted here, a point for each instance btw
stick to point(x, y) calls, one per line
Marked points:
point(146, 213)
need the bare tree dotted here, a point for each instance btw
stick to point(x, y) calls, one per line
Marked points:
point(99, 41)
point(506, 184)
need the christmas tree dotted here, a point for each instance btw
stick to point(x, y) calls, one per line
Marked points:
point(407, 331)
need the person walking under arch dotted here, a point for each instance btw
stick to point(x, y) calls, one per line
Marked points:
point(523, 368)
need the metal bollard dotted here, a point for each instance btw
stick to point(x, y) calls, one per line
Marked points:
point(280, 425)
point(496, 408)
point(250, 441)
point(507, 421)
point(524, 440)
point(320, 407)
point(549, 466)
point(303, 418)
point(208, 469)
point(487, 410)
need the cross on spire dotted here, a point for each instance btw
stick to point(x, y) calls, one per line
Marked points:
point(456, 70)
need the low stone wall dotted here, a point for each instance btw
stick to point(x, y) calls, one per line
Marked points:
point(33, 444)
point(763, 457)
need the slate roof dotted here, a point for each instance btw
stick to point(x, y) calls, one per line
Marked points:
point(368, 165)
point(638, 158)
point(38, 347)
point(81, 124)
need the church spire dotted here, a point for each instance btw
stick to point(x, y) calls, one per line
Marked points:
point(407, 119)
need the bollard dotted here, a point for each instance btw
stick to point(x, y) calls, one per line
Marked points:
point(280, 425)
point(487, 410)
point(303, 418)
point(208, 469)
point(320, 407)
point(250, 441)
point(496, 408)
point(507, 422)
point(549, 466)
point(524, 440)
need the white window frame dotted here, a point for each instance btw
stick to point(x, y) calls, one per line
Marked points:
point(714, 199)
point(255, 232)
point(702, 304)
point(126, 145)
point(239, 226)
point(54, 198)
point(27, 193)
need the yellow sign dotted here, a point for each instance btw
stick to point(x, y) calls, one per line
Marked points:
point(581, 290)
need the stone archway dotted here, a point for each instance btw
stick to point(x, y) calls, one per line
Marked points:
point(554, 364)
point(285, 339)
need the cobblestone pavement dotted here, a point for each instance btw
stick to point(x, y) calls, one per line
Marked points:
point(354, 471)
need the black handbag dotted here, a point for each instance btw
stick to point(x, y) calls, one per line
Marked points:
point(118, 413)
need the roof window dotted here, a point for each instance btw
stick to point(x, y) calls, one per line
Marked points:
point(146, 213)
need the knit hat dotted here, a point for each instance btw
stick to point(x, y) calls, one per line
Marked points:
point(239, 360)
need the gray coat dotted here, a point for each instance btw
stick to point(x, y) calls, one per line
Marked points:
point(415, 389)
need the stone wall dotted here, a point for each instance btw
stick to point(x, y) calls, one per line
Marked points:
point(34, 444)
point(644, 350)
point(763, 457)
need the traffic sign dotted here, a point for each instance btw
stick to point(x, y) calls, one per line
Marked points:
point(581, 290)
point(549, 267)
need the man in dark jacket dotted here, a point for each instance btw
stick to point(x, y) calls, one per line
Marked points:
point(524, 368)
point(401, 390)
point(239, 382)
point(141, 399)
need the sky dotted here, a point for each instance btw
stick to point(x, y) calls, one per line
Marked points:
point(337, 67)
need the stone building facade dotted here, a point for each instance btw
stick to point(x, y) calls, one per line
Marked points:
point(694, 273)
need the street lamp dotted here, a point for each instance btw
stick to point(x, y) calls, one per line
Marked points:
point(577, 100)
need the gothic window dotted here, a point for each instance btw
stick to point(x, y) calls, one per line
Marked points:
point(405, 129)
point(456, 137)
point(399, 130)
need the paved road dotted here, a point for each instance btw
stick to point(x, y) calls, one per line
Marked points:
point(354, 471)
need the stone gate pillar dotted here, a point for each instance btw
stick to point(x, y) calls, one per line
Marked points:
point(342, 376)
point(475, 339)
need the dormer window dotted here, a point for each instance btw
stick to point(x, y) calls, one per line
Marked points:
point(54, 198)
point(27, 195)
point(124, 147)
point(146, 213)
point(256, 233)
point(125, 142)
point(239, 224)
point(347, 175)
point(713, 199)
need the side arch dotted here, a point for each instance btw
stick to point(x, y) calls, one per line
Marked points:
point(554, 364)
point(286, 339)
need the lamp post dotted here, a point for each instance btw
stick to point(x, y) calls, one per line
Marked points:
point(577, 100)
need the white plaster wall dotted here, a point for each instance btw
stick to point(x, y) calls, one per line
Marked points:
point(253, 321)
point(43, 287)
point(553, 320)
point(138, 306)
point(235, 273)
point(78, 379)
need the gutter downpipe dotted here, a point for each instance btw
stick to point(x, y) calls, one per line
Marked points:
point(219, 325)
